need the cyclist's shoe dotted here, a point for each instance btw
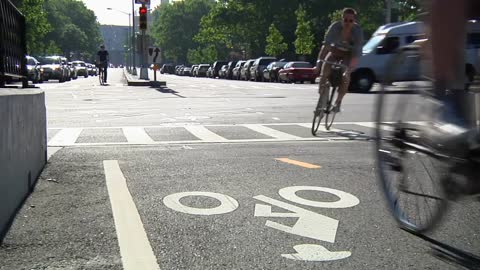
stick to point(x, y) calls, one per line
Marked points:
point(337, 108)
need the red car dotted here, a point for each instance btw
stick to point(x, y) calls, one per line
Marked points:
point(297, 72)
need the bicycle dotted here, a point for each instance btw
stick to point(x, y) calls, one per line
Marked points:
point(101, 69)
point(417, 179)
point(325, 102)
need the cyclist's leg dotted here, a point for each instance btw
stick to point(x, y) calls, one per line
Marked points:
point(343, 88)
point(324, 76)
point(105, 66)
point(448, 35)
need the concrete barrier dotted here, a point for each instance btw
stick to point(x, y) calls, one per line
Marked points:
point(23, 149)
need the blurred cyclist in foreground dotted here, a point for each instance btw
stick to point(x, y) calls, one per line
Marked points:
point(454, 132)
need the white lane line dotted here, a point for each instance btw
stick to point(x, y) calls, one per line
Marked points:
point(271, 132)
point(322, 128)
point(235, 86)
point(66, 136)
point(137, 135)
point(204, 134)
point(135, 248)
point(52, 150)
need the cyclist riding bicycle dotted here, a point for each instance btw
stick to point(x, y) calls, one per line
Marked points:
point(343, 41)
point(455, 132)
point(102, 61)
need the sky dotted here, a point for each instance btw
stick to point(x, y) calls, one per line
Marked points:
point(114, 17)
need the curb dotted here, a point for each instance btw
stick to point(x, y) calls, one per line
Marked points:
point(135, 82)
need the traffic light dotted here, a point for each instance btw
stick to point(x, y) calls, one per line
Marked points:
point(143, 17)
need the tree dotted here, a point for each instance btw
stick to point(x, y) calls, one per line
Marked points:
point(36, 23)
point(175, 28)
point(305, 41)
point(275, 44)
point(75, 29)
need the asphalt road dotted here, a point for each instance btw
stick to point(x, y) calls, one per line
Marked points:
point(213, 174)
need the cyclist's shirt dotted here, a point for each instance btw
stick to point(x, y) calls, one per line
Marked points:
point(103, 55)
point(334, 36)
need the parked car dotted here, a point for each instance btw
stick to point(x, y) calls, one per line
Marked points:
point(194, 71)
point(202, 70)
point(67, 70)
point(210, 72)
point(222, 74)
point(81, 68)
point(53, 68)
point(73, 71)
point(167, 69)
point(256, 71)
point(216, 68)
point(230, 67)
point(236, 70)
point(34, 69)
point(92, 69)
point(178, 68)
point(187, 71)
point(297, 72)
point(270, 73)
point(245, 71)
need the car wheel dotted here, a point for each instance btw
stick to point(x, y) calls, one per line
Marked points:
point(86, 76)
point(312, 81)
point(362, 81)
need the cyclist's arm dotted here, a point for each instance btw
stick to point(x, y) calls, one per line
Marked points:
point(329, 39)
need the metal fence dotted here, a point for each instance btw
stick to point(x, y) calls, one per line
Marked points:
point(13, 64)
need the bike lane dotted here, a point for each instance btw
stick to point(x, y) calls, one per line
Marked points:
point(213, 206)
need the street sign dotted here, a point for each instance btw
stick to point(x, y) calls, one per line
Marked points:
point(153, 55)
point(142, 2)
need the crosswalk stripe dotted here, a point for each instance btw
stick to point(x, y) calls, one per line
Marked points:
point(271, 132)
point(322, 128)
point(204, 134)
point(137, 135)
point(66, 136)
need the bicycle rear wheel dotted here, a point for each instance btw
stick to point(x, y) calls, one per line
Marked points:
point(329, 114)
point(411, 180)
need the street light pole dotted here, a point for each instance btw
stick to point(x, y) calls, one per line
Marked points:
point(134, 71)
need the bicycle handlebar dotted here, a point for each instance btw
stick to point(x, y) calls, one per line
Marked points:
point(333, 63)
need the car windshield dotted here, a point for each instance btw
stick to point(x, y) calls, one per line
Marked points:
point(265, 61)
point(302, 65)
point(31, 62)
point(79, 64)
point(373, 43)
point(50, 61)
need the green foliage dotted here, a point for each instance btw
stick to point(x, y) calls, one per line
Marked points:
point(36, 23)
point(275, 44)
point(175, 28)
point(231, 27)
point(304, 43)
point(63, 27)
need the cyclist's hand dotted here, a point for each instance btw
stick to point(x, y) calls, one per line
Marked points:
point(316, 70)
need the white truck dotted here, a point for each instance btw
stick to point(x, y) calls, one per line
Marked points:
point(384, 43)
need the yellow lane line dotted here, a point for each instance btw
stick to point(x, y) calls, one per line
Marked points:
point(299, 163)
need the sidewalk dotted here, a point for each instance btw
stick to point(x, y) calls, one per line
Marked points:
point(134, 80)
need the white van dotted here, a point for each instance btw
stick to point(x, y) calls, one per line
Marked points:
point(377, 52)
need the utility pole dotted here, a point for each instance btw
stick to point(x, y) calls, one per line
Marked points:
point(388, 11)
point(134, 70)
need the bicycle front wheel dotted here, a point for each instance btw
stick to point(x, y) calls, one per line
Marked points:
point(318, 114)
point(330, 114)
point(411, 180)
point(100, 77)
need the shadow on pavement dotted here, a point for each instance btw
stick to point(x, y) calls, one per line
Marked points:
point(451, 254)
point(166, 90)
